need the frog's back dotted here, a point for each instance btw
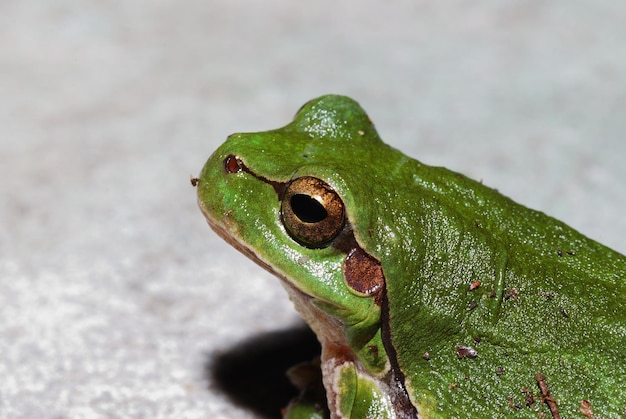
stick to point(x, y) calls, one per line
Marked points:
point(482, 294)
point(527, 292)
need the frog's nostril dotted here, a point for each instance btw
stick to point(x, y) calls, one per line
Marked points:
point(233, 164)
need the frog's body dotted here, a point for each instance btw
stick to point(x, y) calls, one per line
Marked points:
point(433, 295)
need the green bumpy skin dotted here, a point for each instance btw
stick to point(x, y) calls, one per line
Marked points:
point(480, 293)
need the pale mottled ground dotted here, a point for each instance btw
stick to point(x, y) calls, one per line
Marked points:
point(115, 296)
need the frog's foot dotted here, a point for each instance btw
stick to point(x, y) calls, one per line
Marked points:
point(311, 402)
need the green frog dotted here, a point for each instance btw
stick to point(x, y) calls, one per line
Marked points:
point(432, 295)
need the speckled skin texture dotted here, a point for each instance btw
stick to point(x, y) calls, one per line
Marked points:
point(494, 292)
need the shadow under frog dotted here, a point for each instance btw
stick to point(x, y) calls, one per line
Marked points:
point(252, 373)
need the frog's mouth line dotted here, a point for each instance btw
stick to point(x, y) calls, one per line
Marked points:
point(223, 232)
point(245, 250)
point(320, 322)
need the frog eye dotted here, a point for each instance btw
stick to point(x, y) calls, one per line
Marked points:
point(312, 211)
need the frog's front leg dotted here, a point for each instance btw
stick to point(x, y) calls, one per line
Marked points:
point(311, 402)
point(352, 392)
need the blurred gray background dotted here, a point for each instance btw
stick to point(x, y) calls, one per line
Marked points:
point(116, 299)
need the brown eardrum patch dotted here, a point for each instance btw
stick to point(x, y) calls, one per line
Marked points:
point(363, 273)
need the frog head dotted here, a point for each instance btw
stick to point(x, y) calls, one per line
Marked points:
point(291, 199)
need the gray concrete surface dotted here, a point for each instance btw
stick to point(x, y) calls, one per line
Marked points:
point(115, 295)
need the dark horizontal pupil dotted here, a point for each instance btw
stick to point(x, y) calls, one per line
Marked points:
point(307, 209)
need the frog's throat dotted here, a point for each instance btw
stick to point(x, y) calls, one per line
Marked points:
point(329, 331)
